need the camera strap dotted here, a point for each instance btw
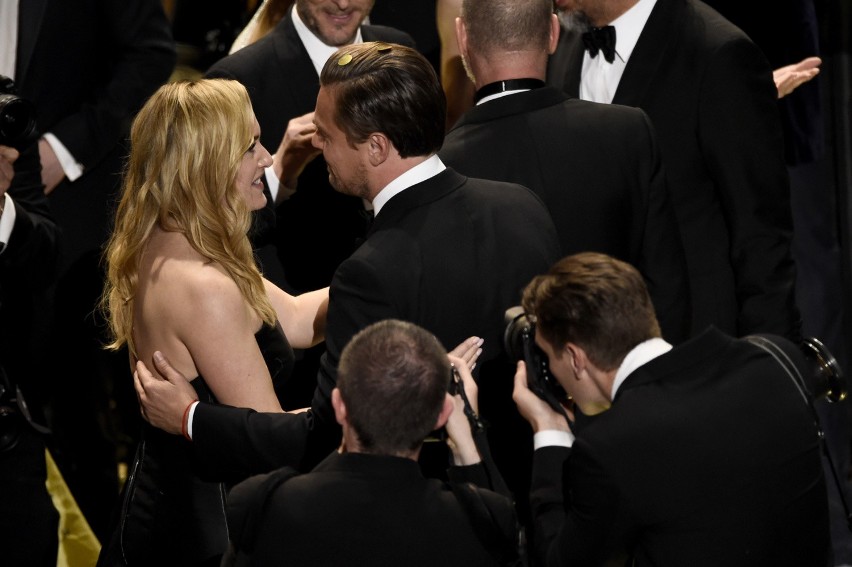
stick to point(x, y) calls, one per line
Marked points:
point(798, 380)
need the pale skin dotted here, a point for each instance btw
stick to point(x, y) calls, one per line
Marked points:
point(190, 307)
point(7, 171)
point(295, 151)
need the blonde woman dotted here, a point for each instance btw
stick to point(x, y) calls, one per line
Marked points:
point(182, 279)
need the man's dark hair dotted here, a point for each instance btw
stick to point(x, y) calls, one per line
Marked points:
point(501, 25)
point(393, 378)
point(388, 88)
point(594, 301)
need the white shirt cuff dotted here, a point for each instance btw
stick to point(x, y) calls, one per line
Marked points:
point(552, 438)
point(72, 168)
point(7, 221)
point(189, 418)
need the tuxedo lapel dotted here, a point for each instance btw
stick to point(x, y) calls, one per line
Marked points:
point(294, 63)
point(416, 196)
point(30, 16)
point(655, 41)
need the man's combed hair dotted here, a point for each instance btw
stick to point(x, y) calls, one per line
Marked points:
point(393, 378)
point(387, 88)
point(500, 25)
point(187, 143)
point(596, 302)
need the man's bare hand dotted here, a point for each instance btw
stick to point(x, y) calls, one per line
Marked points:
point(535, 410)
point(460, 440)
point(789, 77)
point(7, 170)
point(295, 150)
point(163, 400)
point(51, 170)
point(468, 351)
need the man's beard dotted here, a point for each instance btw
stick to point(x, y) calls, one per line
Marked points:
point(575, 19)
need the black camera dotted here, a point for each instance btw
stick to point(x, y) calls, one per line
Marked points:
point(17, 116)
point(519, 342)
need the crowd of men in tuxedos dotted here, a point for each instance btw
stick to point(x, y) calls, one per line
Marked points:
point(661, 148)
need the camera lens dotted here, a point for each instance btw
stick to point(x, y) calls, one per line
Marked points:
point(17, 119)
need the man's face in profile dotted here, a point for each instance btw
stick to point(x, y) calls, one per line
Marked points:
point(335, 22)
point(347, 170)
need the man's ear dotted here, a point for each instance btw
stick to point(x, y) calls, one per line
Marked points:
point(555, 29)
point(378, 148)
point(461, 37)
point(577, 357)
point(339, 407)
point(446, 411)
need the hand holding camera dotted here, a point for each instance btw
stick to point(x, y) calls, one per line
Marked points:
point(519, 341)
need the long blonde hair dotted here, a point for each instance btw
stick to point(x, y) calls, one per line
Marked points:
point(187, 143)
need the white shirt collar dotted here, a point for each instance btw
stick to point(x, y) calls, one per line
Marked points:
point(427, 169)
point(641, 354)
point(318, 51)
point(499, 95)
point(628, 27)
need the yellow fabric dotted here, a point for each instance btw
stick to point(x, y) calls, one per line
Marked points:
point(78, 546)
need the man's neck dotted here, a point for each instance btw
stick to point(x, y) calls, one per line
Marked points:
point(528, 67)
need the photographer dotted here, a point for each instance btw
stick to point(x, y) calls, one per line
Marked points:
point(368, 503)
point(705, 454)
point(28, 259)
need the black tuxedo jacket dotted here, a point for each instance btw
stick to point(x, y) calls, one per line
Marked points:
point(597, 168)
point(709, 92)
point(28, 267)
point(360, 509)
point(708, 456)
point(88, 65)
point(316, 228)
point(450, 254)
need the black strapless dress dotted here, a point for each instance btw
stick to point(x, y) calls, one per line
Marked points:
point(169, 516)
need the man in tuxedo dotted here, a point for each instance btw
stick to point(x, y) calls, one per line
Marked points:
point(369, 503)
point(447, 252)
point(597, 167)
point(710, 96)
point(29, 261)
point(702, 454)
point(87, 67)
point(316, 227)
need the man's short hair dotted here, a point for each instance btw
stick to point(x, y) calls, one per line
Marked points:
point(594, 301)
point(387, 88)
point(501, 25)
point(393, 378)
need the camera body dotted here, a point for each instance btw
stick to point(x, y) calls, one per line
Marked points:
point(17, 116)
point(519, 342)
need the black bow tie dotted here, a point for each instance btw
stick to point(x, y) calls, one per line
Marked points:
point(601, 39)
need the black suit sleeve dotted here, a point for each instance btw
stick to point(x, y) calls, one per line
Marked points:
point(578, 523)
point(31, 256)
point(231, 444)
point(143, 58)
point(743, 147)
point(661, 258)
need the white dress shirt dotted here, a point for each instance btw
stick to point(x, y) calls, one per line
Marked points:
point(599, 79)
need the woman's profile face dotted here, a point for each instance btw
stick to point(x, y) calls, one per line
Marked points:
point(249, 177)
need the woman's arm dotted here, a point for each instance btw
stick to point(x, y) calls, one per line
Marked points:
point(302, 316)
